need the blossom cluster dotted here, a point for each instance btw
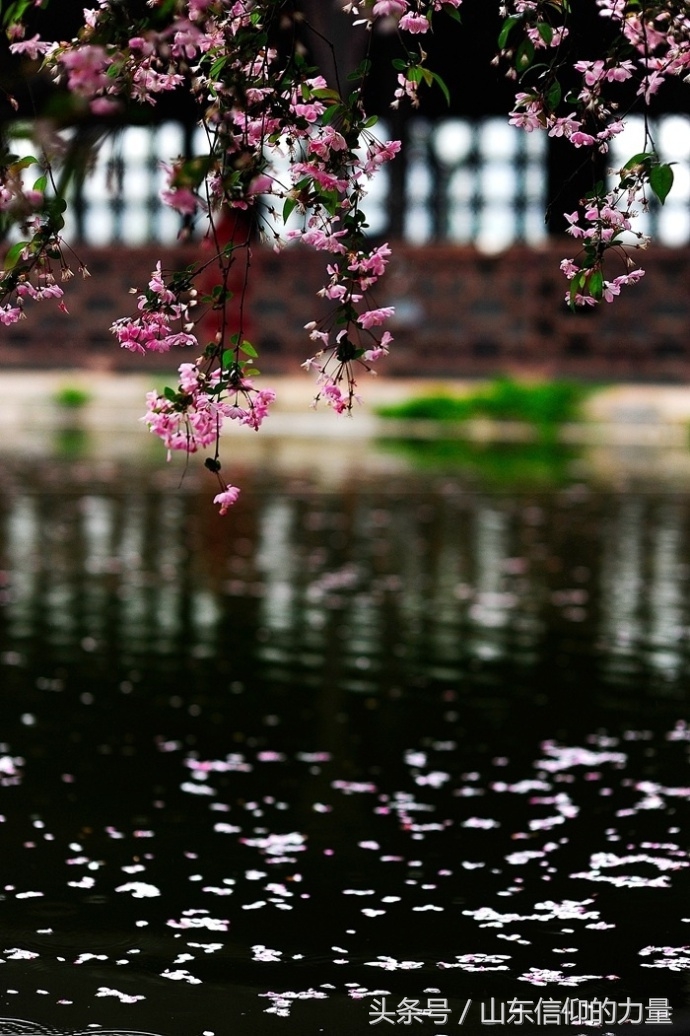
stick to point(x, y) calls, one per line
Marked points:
point(412, 18)
point(191, 417)
point(650, 45)
point(160, 306)
point(359, 344)
point(34, 264)
point(261, 113)
point(42, 286)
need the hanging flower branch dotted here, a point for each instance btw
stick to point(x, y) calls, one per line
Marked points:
point(282, 144)
point(646, 43)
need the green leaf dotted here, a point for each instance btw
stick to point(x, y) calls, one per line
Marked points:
point(554, 95)
point(506, 30)
point(524, 56)
point(170, 394)
point(330, 113)
point(576, 284)
point(16, 11)
point(661, 181)
point(41, 184)
point(248, 349)
point(228, 358)
point(14, 253)
point(597, 191)
point(596, 284)
point(546, 32)
point(217, 66)
point(325, 94)
point(57, 205)
point(191, 172)
point(24, 163)
point(288, 208)
point(441, 84)
point(639, 159)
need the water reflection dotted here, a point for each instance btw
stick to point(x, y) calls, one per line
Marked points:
point(424, 580)
point(411, 724)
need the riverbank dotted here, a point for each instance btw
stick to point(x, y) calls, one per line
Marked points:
point(625, 414)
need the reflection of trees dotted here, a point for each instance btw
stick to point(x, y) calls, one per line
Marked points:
point(644, 569)
point(358, 591)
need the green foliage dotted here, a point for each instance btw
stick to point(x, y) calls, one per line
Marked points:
point(502, 466)
point(661, 180)
point(14, 12)
point(539, 403)
point(659, 174)
point(71, 397)
point(14, 253)
point(72, 443)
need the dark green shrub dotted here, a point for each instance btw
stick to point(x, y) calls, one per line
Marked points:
point(505, 399)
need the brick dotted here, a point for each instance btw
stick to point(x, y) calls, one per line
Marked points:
point(460, 314)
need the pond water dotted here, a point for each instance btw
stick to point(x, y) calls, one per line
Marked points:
point(393, 744)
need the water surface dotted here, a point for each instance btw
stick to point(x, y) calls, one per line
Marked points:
point(376, 745)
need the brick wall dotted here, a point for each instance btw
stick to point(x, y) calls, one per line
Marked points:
point(459, 314)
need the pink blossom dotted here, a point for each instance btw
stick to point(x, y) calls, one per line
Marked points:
point(227, 498)
point(414, 23)
point(569, 268)
point(324, 241)
point(579, 139)
point(375, 317)
point(186, 42)
point(328, 141)
point(564, 126)
point(379, 153)
point(630, 278)
point(373, 264)
point(528, 113)
point(612, 8)
point(86, 68)
point(620, 72)
point(10, 314)
point(145, 47)
point(157, 285)
point(593, 71)
point(650, 85)
point(104, 106)
point(198, 8)
point(33, 47)
point(383, 8)
point(189, 377)
point(310, 112)
point(258, 408)
point(335, 398)
point(181, 199)
point(526, 120)
point(380, 350)
point(50, 291)
point(325, 179)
